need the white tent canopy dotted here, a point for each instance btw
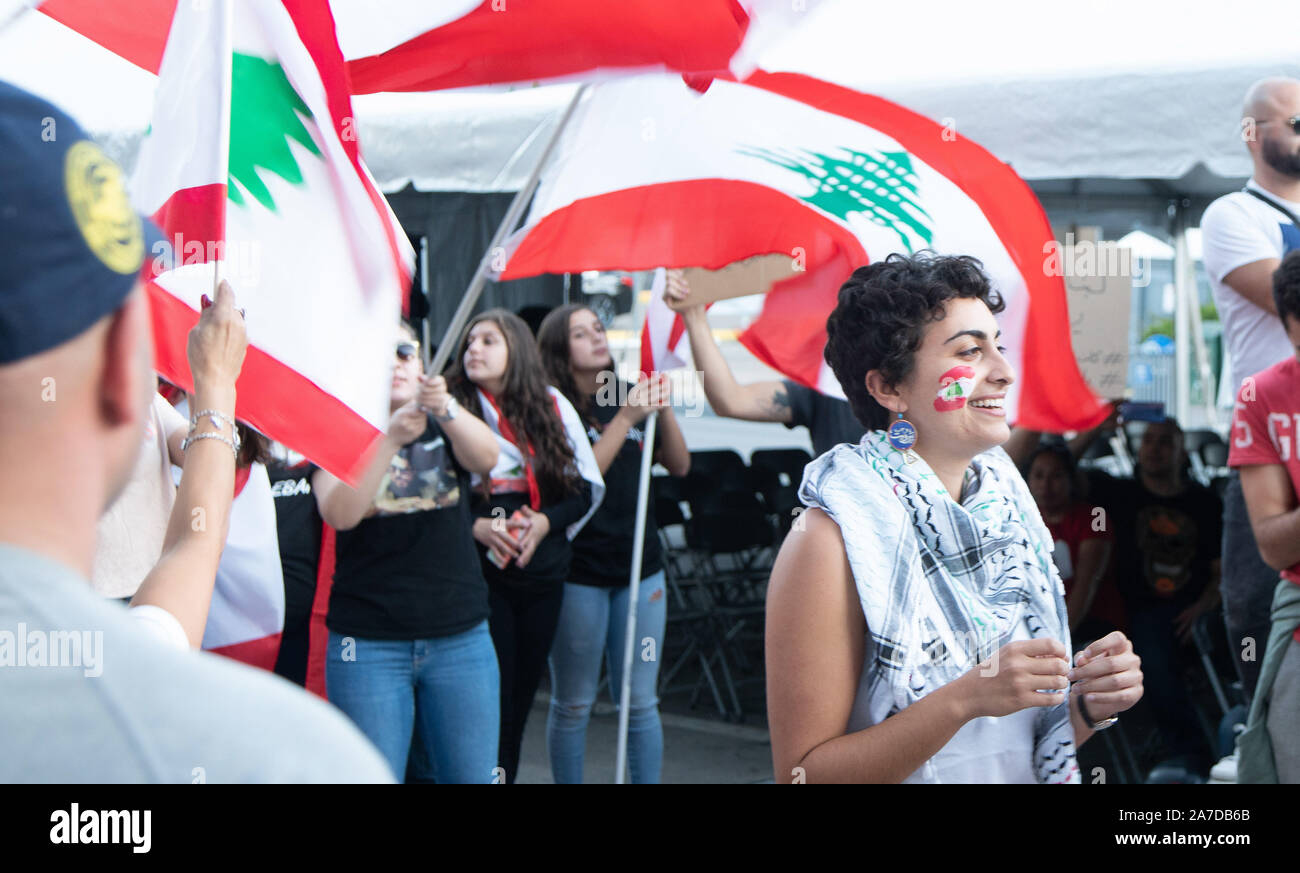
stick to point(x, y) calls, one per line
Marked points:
point(1115, 104)
point(1180, 127)
point(1114, 111)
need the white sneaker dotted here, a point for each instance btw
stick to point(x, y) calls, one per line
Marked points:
point(1224, 772)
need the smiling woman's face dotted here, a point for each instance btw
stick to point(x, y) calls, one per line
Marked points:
point(958, 384)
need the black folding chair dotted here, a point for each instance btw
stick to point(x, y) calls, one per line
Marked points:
point(731, 541)
point(715, 584)
point(690, 634)
point(776, 474)
point(1203, 447)
point(715, 470)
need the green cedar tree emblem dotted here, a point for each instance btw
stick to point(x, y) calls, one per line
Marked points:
point(264, 115)
point(879, 185)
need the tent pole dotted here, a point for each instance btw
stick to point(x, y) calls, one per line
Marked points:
point(634, 593)
point(1209, 390)
point(15, 14)
point(507, 225)
point(1182, 323)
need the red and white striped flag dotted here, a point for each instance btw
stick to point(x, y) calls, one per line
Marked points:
point(246, 616)
point(252, 163)
point(246, 619)
point(650, 173)
point(418, 45)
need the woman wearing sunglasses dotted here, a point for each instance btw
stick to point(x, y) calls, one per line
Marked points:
point(528, 509)
point(410, 658)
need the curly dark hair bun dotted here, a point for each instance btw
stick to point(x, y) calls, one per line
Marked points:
point(881, 317)
point(1286, 287)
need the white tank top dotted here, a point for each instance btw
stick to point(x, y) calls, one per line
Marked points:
point(985, 750)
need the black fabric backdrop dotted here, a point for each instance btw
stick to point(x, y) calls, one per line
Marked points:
point(458, 227)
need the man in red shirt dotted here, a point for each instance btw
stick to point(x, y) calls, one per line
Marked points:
point(1265, 429)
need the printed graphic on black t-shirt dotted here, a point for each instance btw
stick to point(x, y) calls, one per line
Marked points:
point(1167, 543)
point(298, 525)
point(634, 434)
point(1164, 544)
point(419, 477)
point(410, 569)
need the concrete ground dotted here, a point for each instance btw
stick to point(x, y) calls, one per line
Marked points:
point(697, 749)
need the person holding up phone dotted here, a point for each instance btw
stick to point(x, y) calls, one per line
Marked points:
point(528, 508)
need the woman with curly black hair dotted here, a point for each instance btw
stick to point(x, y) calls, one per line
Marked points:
point(916, 629)
point(539, 495)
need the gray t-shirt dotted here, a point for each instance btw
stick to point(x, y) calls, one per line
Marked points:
point(87, 696)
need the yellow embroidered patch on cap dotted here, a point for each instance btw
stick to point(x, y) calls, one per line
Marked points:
point(99, 203)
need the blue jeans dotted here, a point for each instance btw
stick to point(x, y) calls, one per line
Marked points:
point(444, 688)
point(593, 624)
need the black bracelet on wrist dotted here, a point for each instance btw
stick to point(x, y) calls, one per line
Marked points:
point(1093, 723)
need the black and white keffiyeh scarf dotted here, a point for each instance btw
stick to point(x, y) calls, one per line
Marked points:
point(944, 584)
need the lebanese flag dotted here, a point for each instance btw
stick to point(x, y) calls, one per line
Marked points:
point(650, 173)
point(246, 616)
point(246, 619)
point(663, 336)
point(252, 168)
point(417, 45)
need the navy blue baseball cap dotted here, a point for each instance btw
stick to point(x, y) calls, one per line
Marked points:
point(71, 245)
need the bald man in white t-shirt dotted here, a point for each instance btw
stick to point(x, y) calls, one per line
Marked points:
point(1245, 236)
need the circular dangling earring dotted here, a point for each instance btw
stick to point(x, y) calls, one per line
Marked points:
point(902, 436)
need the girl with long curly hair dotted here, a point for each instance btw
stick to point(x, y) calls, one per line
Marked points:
point(535, 500)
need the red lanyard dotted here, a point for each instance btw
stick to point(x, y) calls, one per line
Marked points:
point(503, 425)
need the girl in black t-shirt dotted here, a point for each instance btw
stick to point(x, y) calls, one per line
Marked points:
point(542, 490)
point(593, 621)
point(410, 656)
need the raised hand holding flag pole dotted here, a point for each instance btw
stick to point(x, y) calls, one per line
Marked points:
point(251, 167)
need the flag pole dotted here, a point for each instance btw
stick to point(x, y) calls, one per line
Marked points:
point(223, 123)
point(508, 223)
point(634, 593)
point(16, 14)
point(424, 289)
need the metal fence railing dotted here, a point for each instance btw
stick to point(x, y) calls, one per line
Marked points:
point(1151, 378)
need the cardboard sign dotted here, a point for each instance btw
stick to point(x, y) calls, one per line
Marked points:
point(1098, 288)
point(751, 276)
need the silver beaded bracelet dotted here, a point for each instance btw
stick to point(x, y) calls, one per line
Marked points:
point(217, 417)
point(212, 435)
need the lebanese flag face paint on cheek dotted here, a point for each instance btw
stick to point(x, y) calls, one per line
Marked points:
point(955, 387)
